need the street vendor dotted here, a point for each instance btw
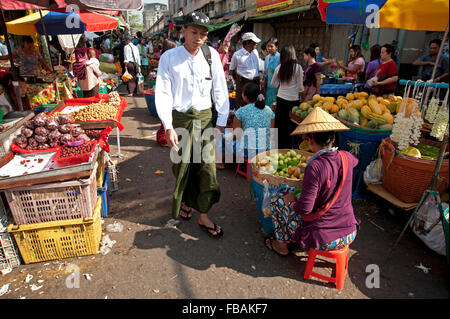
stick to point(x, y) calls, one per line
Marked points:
point(322, 217)
point(8, 100)
point(30, 59)
point(183, 101)
point(356, 63)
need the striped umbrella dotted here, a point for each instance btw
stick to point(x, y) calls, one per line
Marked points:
point(60, 22)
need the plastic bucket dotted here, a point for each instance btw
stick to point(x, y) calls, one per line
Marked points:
point(150, 99)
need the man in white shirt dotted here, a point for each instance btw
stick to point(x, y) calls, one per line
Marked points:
point(245, 65)
point(132, 62)
point(186, 85)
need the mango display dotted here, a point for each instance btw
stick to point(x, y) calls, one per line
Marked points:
point(358, 108)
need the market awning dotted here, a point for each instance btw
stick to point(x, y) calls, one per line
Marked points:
point(119, 5)
point(264, 15)
point(232, 19)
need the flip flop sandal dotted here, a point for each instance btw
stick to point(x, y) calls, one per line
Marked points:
point(187, 212)
point(271, 247)
point(207, 229)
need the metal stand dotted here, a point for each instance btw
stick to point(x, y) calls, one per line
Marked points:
point(433, 186)
point(118, 154)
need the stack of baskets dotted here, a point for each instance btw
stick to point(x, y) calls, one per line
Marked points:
point(58, 220)
point(9, 257)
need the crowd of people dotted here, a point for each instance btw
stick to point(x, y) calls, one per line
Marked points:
point(184, 101)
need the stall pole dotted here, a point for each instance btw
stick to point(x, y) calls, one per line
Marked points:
point(118, 144)
point(51, 63)
point(11, 61)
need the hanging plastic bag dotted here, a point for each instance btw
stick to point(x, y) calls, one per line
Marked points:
point(140, 80)
point(426, 226)
point(265, 207)
point(126, 77)
point(374, 172)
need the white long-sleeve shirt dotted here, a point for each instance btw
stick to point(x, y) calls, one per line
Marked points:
point(128, 54)
point(184, 81)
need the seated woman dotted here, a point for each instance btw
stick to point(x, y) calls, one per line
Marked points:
point(8, 100)
point(251, 128)
point(322, 217)
point(256, 119)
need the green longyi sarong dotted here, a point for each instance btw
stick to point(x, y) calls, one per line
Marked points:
point(196, 183)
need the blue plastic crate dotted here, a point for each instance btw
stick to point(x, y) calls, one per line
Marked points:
point(367, 145)
point(105, 193)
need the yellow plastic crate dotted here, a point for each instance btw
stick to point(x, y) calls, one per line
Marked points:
point(59, 239)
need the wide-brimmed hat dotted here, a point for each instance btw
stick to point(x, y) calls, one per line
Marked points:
point(319, 121)
point(197, 18)
point(250, 36)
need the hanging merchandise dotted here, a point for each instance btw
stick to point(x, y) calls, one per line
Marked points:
point(432, 110)
point(440, 127)
point(408, 122)
point(440, 124)
point(234, 29)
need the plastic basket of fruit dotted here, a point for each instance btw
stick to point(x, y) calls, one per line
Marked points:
point(74, 155)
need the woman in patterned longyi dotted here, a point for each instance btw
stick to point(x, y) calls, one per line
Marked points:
point(322, 217)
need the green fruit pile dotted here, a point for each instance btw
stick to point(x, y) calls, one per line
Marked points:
point(285, 165)
point(303, 109)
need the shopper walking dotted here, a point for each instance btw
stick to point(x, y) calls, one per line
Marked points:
point(132, 62)
point(183, 99)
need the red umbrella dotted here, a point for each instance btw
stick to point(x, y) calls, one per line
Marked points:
point(21, 5)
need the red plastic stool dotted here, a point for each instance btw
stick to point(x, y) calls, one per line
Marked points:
point(246, 174)
point(341, 257)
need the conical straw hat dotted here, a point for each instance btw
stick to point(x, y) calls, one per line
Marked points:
point(319, 121)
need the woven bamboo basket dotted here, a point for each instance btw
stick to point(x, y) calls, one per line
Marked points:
point(275, 181)
point(408, 177)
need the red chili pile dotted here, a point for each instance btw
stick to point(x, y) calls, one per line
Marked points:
point(68, 151)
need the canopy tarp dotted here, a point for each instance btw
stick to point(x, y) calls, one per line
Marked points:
point(20, 5)
point(118, 5)
point(429, 15)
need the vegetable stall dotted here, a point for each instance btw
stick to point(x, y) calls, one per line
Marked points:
point(56, 177)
